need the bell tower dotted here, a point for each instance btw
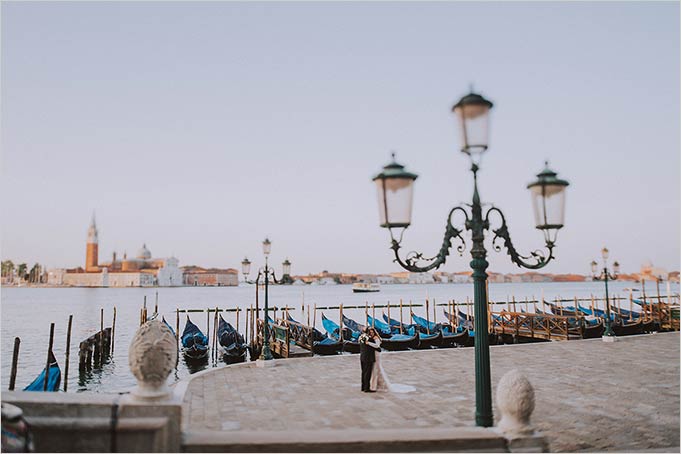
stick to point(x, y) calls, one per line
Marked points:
point(92, 248)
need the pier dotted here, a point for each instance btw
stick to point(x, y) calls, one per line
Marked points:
point(587, 397)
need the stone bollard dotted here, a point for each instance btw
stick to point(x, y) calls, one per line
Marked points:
point(152, 357)
point(515, 402)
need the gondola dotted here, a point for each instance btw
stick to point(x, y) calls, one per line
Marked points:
point(627, 329)
point(194, 342)
point(53, 378)
point(427, 341)
point(383, 329)
point(452, 338)
point(464, 320)
point(395, 324)
point(327, 346)
point(399, 342)
point(566, 311)
point(317, 335)
point(163, 319)
point(322, 344)
point(232, 344)
point(353, 326)
point(592, 331)
point(425, 326)
point(350, 345)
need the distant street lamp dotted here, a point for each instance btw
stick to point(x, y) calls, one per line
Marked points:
point(605, 275)
point(286, 272)
point(395, 193)
point(265, 273)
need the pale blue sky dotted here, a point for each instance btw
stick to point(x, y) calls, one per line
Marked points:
point(200, 128)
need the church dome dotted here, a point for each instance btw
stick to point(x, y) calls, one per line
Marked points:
point(144, 253)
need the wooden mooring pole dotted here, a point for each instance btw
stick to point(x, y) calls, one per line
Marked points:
point(101, 336)
point(15, 360)
point(113, 331)
point(49, 351)
point(215, 336)
point(68, 353)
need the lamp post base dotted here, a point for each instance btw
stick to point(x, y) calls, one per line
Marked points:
point(266, 354)
point(264, 364)
point(609, 339)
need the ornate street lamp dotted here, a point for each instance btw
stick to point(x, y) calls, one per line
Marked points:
point(265, 273)
point(286, 272)
point(395, 189)
point(604, 275)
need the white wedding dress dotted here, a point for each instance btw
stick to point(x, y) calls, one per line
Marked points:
point(379, 380)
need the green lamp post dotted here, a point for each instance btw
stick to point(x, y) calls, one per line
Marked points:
point(605, 275)
point(265, 273)
point(395, 188)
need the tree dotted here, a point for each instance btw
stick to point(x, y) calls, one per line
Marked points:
point(7, 267)
point(21, 271)
point(34, 274)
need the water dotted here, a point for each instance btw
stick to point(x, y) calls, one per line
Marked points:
point(27, 313)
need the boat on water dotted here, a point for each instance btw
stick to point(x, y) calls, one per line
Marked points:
point(349, 341)
point(231, 343)
point(194, 342)
point(53, 378)
point(322, 344)
point(425, 326)
point(382, 328)
point(397, 326)
point(453, 337)
point(399, 342)
point(365, 287)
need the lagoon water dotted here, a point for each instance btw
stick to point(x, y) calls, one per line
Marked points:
point(27, 313)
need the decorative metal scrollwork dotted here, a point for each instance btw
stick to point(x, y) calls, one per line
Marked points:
point(537, 259)
point(410, 263)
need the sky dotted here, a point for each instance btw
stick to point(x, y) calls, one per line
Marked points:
point(201, 128)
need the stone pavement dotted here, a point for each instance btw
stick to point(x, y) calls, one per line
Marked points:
point(590, 395)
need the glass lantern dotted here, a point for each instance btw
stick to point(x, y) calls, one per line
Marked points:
point(548, 202)
point(266, 246)
point(246, 266)
point(286, 266)
point(472, 112)
point(616, 268)
point(395, 189)
point(605, 253)
point(594, 267)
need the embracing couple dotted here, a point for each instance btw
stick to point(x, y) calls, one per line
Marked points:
point(373, 377)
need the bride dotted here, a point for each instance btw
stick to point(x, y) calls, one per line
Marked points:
point(379, 379)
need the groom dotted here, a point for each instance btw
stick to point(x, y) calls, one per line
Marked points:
point(367, 358)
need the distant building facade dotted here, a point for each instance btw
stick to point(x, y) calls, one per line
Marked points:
point(211, 277)
point(141, 271)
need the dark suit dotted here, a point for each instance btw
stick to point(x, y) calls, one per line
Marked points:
point(367, 358)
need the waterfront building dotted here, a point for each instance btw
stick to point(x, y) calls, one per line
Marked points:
point(385, 279)
point(462, 277)
point(441, 277)
point(140, 271)
point(421, 278)
point(212, 277)
point(495, 278)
